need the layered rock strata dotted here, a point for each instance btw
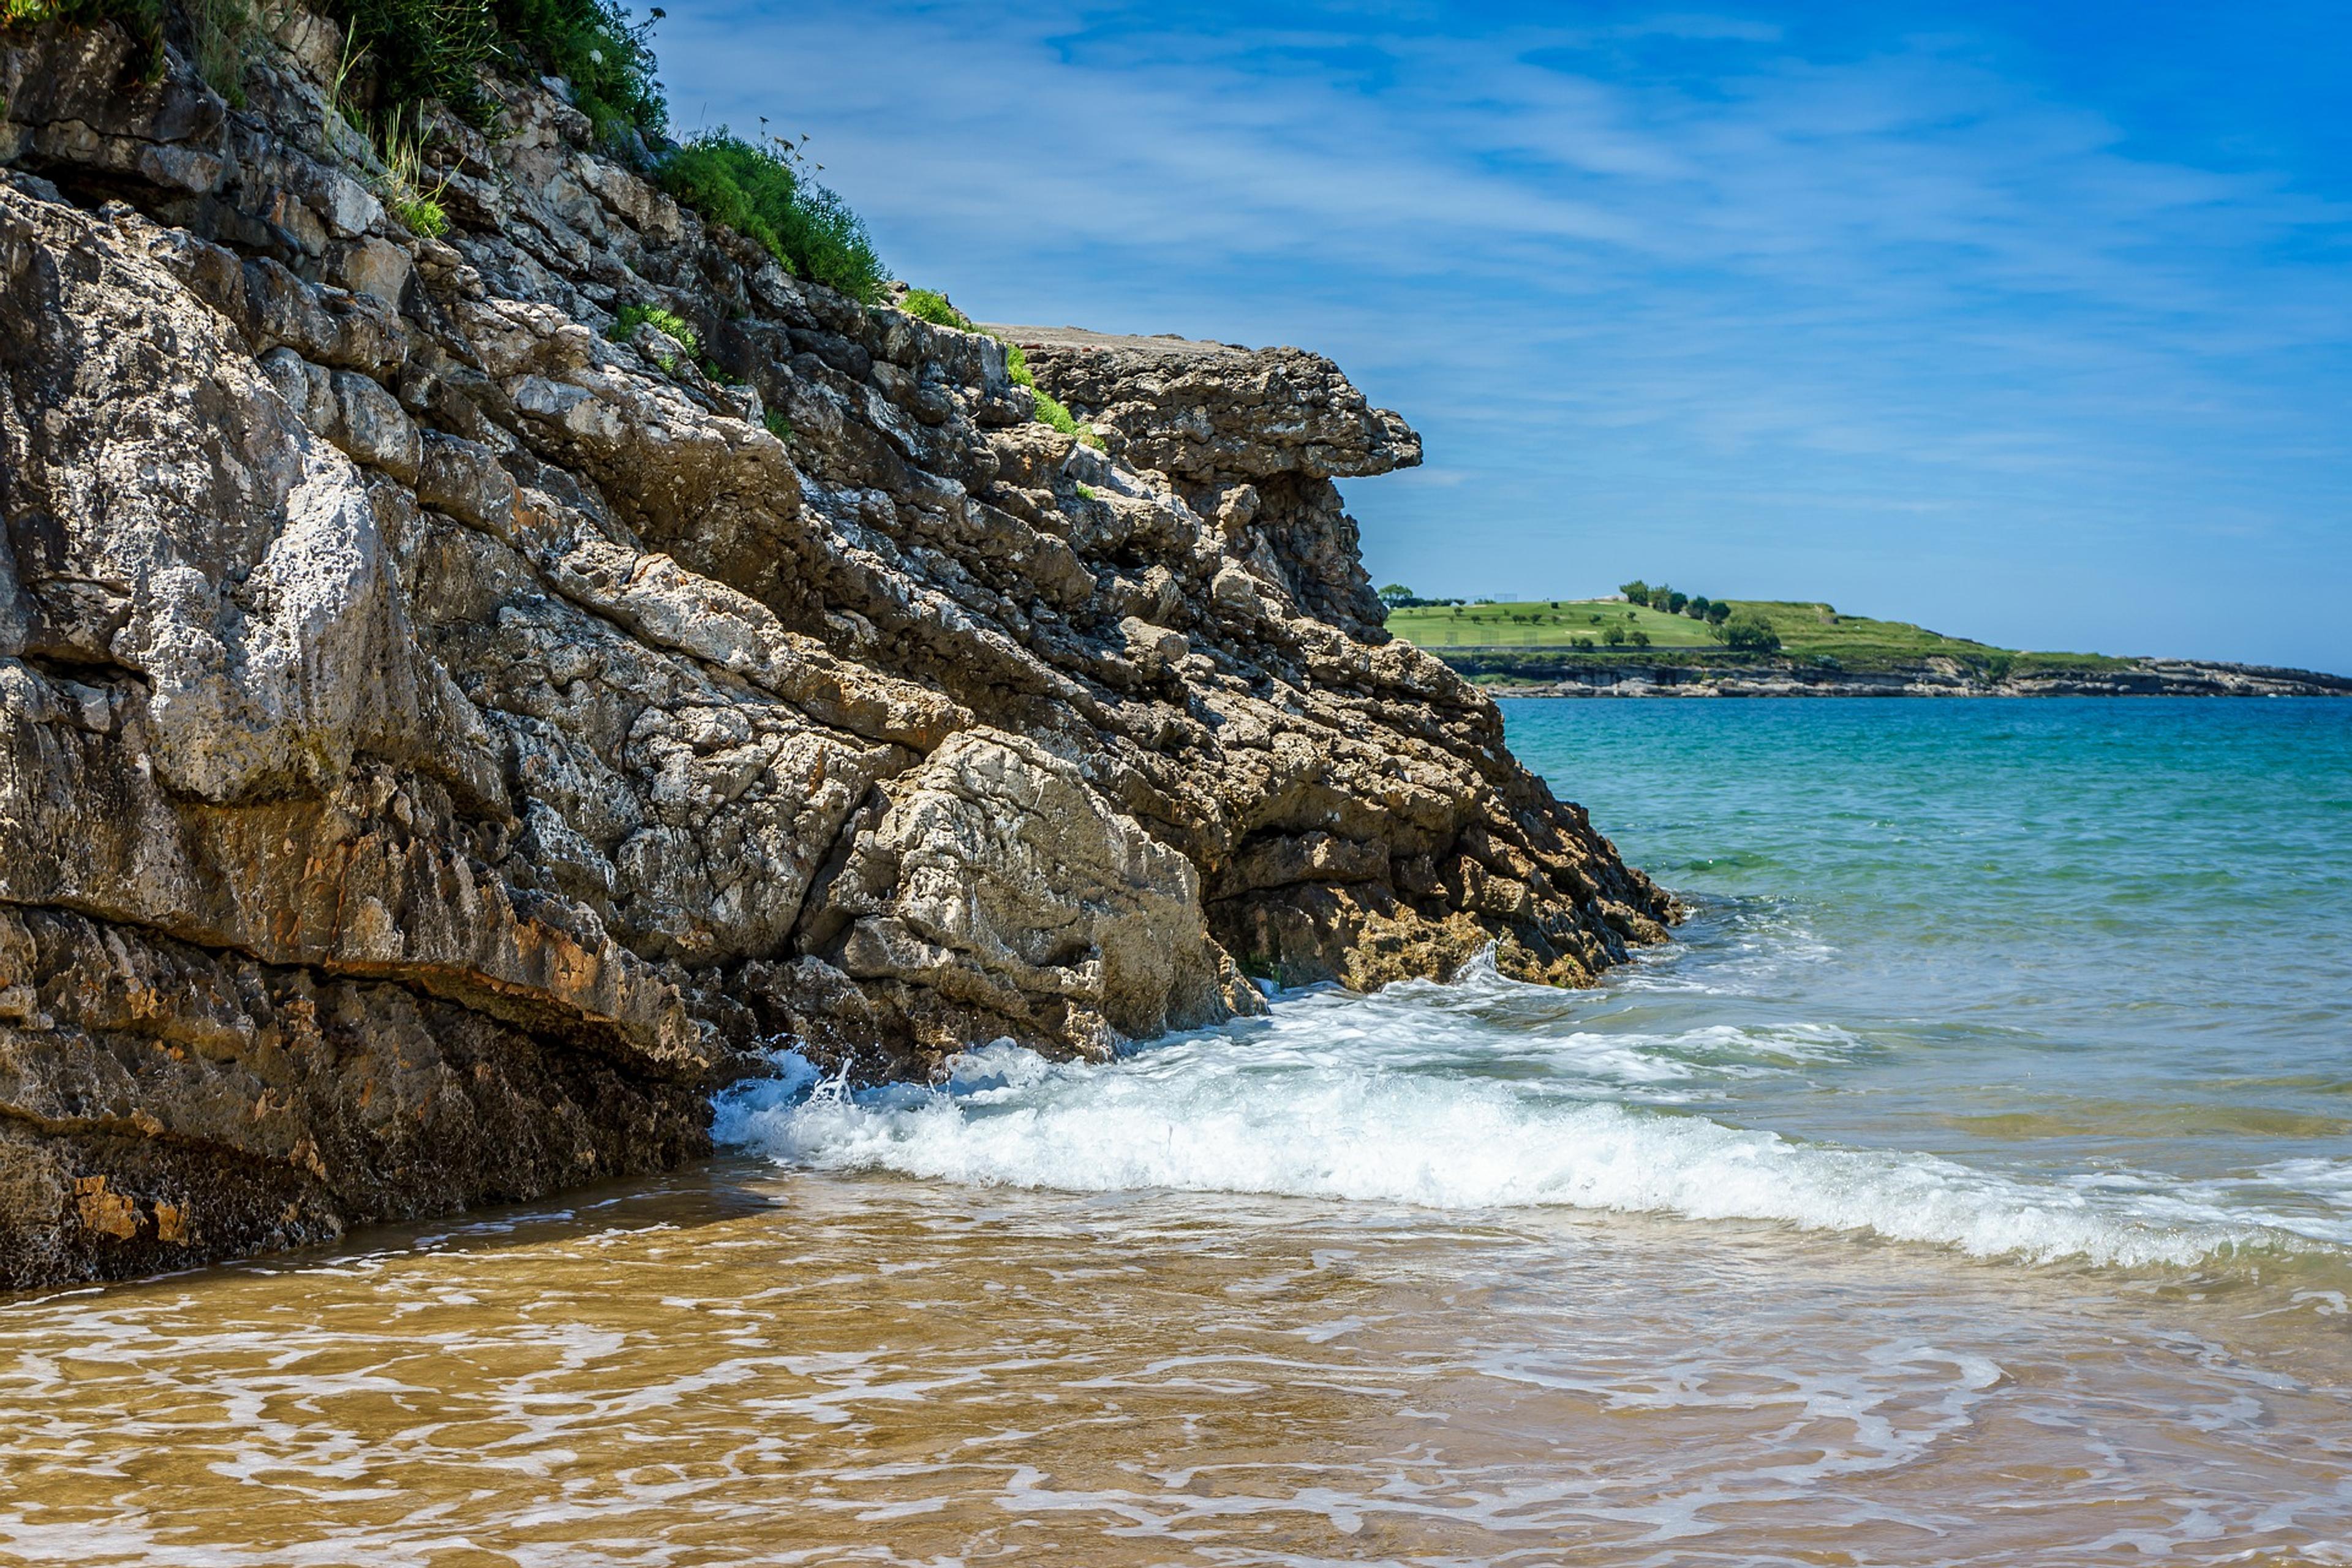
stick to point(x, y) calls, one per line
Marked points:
point(441, 739)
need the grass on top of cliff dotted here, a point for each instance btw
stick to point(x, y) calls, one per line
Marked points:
point(1610, 629)
point(763, 194)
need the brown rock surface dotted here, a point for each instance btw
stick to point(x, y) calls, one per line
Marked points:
point(441, 739)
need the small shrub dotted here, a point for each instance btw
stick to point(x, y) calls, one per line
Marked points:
point(1086, 492)
point(424, 51)
point(780, 424)
point(930, 305)
point(667, 323)
point(1751, 633)
point(1016, 366)
point(1050, 411)
point(592, 45)
point(761, 196)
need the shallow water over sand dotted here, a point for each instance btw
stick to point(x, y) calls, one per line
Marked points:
point(1971, 1184)
point(772, 1367)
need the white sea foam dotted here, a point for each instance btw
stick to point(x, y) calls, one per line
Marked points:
point(1418, 1097)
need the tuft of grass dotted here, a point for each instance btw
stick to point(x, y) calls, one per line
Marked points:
point(930, 305)
point(406, 194)
point(780, 424)
point(224, 32)
point(1052, 411)
point(667, 323)
point(760, 195)
point(1086, 492)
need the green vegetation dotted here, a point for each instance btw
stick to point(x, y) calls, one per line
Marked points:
point(667, 323)
point(420, 51)
point(1605, 629)
point(763, 196)
point(1536, 623)
point(780, 424)
point(406, 194)
point(405, 55)
point(930, 305)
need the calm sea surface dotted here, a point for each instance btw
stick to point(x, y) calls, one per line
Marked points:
point(1970, 1183)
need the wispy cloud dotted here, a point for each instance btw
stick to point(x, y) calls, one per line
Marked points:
point(1676, 294)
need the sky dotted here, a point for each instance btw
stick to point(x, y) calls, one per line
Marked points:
point(2031, 323)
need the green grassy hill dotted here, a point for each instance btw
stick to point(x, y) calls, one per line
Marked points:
point(1810, 633)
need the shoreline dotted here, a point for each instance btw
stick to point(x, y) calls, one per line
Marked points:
point(1931, 678)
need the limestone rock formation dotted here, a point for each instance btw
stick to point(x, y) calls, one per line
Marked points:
point(439, 739)
point(1252, 439)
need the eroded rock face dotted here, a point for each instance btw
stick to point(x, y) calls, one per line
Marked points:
point(1253, 440)
point(438, 741)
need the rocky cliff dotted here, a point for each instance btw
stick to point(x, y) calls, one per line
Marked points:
point(442, 736)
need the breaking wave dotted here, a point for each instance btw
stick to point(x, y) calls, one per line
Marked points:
point(1471, 1096)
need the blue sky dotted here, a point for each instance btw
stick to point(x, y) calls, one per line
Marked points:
point(2032, 323)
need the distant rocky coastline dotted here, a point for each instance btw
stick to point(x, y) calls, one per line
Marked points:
point(1527, 676)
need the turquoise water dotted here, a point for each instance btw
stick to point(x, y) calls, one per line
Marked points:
point(2104, 946)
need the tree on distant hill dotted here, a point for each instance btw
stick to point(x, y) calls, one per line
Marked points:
point(1750, 632)
point(1718, 613)
point(1641, 639)
point(1676, 600)
point(1697, 608)
point(1636, 592)
point(1396, 594)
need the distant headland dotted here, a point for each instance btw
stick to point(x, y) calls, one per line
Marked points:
point(1646, 641)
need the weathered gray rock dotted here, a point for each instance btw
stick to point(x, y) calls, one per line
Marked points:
point(437, 740)
point(1252, 437)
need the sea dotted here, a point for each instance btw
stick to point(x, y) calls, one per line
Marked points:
point(1969, 1182)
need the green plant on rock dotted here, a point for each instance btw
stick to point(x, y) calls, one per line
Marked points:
point(930, 305)
point(761, 195)
point(406, 194)
point(224, 31)
point(1052, 411)
point(780, 424)
point(669, 324)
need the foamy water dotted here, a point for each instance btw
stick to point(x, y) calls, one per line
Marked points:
point(1971, 1184)
point(1450, 1098)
